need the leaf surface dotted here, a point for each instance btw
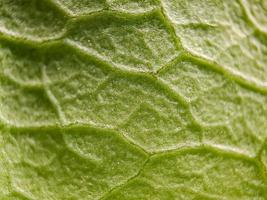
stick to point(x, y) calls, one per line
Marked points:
point(131, 99)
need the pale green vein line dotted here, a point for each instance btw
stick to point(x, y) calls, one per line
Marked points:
point(106, 8)
point(3, 120)
point(133, 143)
point(167, 65)
point(64, 10)
point(177, 148)
point(58, 7)
point(32, 41)
point(211, 25)
point(11, 35)
point(258, 157)
point(30, 85)
point(170, 25)
point(21, 193)
point(51, 97)
point(244, 6)
point(211, 147)
point(121, 13)
point(79, 154)
point(120, 186)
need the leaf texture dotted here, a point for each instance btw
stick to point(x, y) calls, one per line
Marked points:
point(133, 99)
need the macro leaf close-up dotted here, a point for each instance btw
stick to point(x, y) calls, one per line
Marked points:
point(133, 99)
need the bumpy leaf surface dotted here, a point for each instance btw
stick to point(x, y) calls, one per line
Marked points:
point(133, 99)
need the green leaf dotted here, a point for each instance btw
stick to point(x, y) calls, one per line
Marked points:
point(133, 99)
